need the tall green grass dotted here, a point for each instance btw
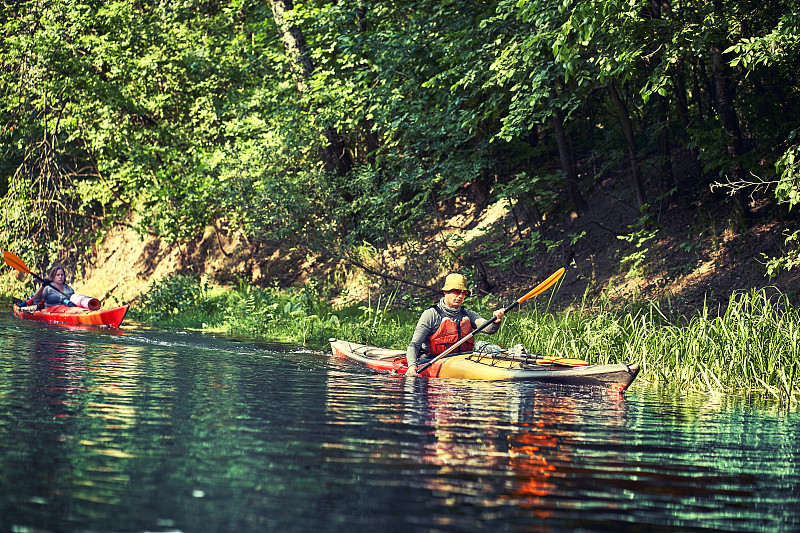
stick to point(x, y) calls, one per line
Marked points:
point(748, 347)
point(302, 315)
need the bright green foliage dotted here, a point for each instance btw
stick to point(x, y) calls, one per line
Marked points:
point(171, 116)
point(176, 296)
point(750, 347)
point(292, 315)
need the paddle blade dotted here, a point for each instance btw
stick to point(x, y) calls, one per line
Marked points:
point(543, 286)
point(15, 262)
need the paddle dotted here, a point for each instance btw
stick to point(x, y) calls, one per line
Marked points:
point(564, 361)
point(543, 286)
point(18, 264)
point(537, 359)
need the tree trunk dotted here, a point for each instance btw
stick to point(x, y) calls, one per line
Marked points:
point(682, 104)
point(698, 89)
point(724, 93)
point(664, 145)
point(335, 156)
point(567, 163)
point(627, 129)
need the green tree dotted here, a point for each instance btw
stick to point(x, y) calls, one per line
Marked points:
point(328, 125)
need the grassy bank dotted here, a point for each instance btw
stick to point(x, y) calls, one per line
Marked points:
point(302, 315)
point(750, 347)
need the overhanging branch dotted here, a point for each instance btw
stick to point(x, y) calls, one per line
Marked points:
point(369, 270)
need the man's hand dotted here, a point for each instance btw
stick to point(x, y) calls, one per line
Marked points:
point(412, 371)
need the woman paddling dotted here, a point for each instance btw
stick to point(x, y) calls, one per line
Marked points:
point(447, 322)
point(55, 290)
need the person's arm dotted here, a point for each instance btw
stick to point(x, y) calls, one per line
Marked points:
point(38, 294)
point(421, 333)
point(44, 294)
point(478, 321)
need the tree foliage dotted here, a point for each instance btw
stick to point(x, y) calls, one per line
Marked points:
point(170, 116)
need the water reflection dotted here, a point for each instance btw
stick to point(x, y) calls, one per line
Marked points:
point(538, 457)
point(511, 448)
point(158, 431)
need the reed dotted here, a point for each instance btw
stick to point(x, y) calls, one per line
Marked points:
point(749, 348)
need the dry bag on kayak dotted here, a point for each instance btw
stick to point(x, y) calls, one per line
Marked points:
point(87, 302)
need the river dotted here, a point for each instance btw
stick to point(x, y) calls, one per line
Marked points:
point(140, 429)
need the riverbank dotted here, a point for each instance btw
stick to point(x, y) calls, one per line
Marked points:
point(688, 251)
point(662, 280)
point(748, 347)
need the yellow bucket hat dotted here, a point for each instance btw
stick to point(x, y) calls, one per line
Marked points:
point(455, 281)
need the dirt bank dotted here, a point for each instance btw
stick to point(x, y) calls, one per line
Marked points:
point(698, 253)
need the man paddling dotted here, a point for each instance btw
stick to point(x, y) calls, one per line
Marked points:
point(445, 323)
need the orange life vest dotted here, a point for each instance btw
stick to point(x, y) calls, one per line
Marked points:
point(448, 334)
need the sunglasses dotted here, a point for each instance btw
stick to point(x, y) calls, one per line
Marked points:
point(456, 291)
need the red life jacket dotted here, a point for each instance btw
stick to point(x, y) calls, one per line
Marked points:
point(448, 334)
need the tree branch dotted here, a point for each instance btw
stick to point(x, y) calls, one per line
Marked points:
point(365, 268)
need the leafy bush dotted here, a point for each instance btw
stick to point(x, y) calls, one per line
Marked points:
point(175, 295)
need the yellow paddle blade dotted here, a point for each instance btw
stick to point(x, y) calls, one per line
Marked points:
point(566, 361)
point(543, 286)
point(15, 262)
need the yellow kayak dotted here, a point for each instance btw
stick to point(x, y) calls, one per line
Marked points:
point(494, 366)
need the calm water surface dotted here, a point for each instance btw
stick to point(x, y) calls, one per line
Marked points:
point(144, 430)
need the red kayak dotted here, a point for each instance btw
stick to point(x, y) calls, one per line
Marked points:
point(110, 318)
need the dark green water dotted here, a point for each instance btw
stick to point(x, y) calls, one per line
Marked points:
point(144, 430)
